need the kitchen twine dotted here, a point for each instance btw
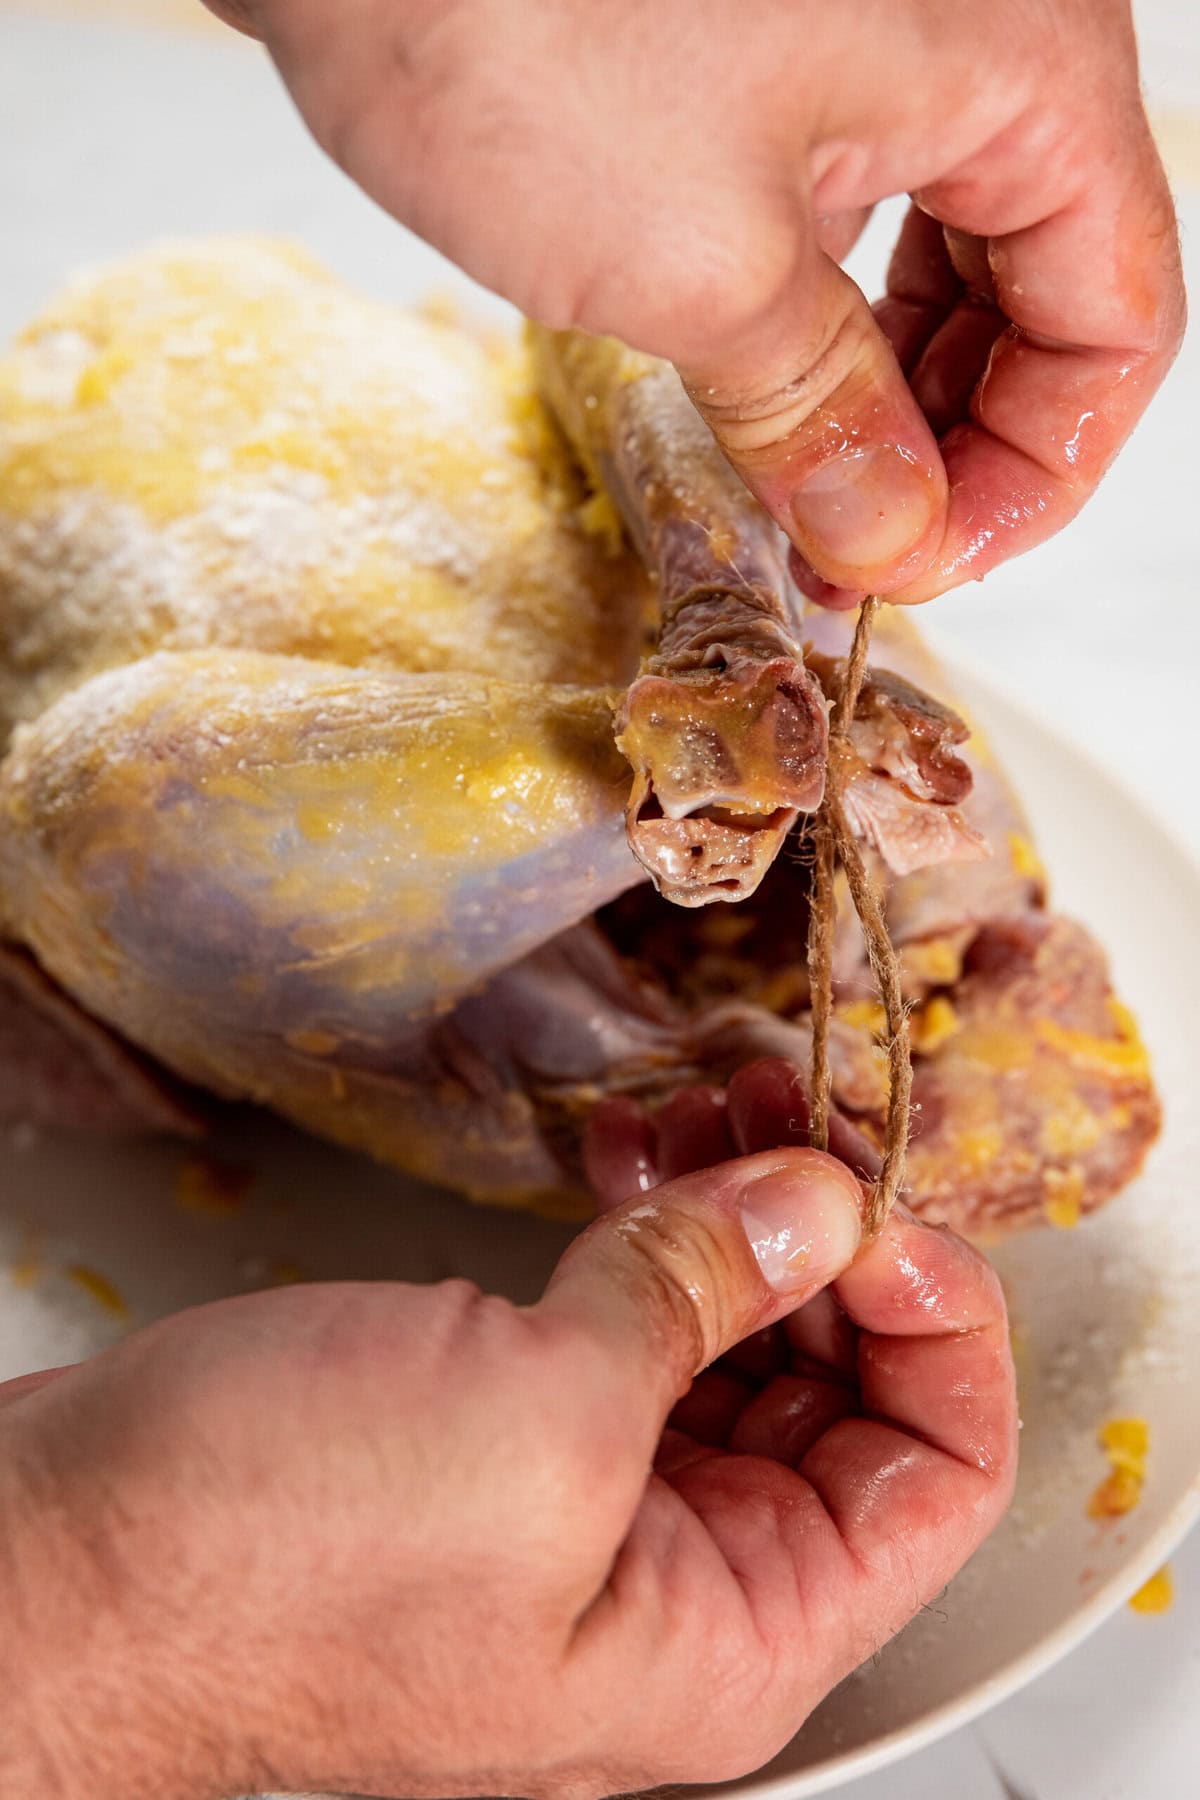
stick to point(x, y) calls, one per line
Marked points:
point(833, 841)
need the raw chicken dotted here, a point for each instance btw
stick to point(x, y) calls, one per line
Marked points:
point(329, 777)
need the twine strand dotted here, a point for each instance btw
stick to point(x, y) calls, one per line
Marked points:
point(833, 842)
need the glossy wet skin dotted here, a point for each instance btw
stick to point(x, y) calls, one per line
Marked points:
point(779, 1392)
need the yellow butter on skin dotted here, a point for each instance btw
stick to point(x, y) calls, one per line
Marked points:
point(935, 962)
point(1063, 1204)
point(312, 1041)
point(1025, 859)
point(599, 518)
point(994, 1047)
point(978, 1148)
point(784, 989)
point(240, 452)
point(866, 1015)
point(933, 1025)
point(1123, 1055)
point(724, 926)
point(1126, 1443)
point(1072, 1129)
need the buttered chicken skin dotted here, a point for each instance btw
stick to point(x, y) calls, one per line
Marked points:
point(416, 733)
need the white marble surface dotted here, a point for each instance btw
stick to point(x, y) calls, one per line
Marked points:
point(1100, 630)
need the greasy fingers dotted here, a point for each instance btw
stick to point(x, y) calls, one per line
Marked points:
point(692, 1130)
point(619, 1151)
point(1093, 295)
point(910, 1489)
point(939, 1443)
point(812, 409)
point(823, 1532)
point(789, 1416)
point(665, 1283)
point(767, 1104)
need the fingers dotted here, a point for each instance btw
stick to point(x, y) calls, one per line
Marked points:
point(761, 1355)
point(710, 1409)
point(933, 1351)
point(838, 232)
point(811, 407)
point(625, 1151)
point(947, 373)
point(825, 593)
point(619, 1145)
point(692, 1130)
point(923, 287)
point(790, 1415)
point(881, 1510)
point(665, 1283)
point(767, 1104)
point(1033, 340)
point(821, 1336)
point(1096, 303)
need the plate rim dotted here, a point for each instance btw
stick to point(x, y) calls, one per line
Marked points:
point(1105, 1600)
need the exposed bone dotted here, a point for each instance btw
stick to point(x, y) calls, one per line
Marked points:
point(725, 727)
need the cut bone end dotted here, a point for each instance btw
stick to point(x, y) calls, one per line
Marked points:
point(724, 760)
point(749, 736)
point(713, 855)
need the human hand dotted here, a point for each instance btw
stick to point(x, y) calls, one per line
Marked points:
point(685, 176)
point(404, 1540)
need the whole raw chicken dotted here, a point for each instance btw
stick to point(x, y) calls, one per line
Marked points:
point(382, 708)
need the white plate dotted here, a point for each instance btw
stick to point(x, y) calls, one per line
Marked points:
point(1108, 1316)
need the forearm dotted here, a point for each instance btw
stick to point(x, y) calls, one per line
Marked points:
point(87, 1707)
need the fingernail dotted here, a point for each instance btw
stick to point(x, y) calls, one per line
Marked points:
point(804, 1227)
point(863, 508)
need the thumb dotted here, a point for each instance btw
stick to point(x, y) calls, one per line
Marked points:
point(668, 1281)
point(812, 409)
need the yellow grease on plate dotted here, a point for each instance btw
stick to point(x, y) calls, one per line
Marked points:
point(100, 1289)
point(1155, 1595)
point(1126, 1443)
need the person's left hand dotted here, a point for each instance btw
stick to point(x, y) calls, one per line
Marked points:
point(392, 1539)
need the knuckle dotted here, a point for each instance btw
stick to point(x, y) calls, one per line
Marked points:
point(838, 357)
point(685, 1273)
point(681, 290)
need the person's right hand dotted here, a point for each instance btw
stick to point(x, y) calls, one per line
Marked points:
point(685, 176)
